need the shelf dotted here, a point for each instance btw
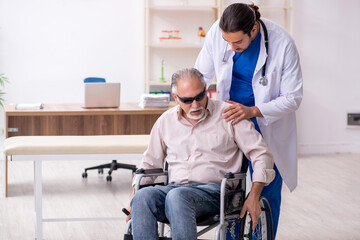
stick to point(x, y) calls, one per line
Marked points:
point(274, 7)
point(155, 83)
point(175, 45)
point(183, 8)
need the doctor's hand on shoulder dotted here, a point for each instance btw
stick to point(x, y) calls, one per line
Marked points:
point(238, 112)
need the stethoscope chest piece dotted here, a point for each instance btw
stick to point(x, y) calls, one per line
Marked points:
point(263, 81)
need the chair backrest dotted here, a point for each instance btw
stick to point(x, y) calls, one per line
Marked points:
point(94, 79)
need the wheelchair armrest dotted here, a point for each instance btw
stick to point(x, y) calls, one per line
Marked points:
point(240, 177)
point(154, 173)
point(149, 171)
point(235, 176)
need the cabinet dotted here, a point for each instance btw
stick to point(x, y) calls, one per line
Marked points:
point(163, 55)
point(181, 19)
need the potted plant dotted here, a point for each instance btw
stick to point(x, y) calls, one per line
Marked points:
point(3, 79)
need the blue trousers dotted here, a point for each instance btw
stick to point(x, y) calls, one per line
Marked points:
point(180, 204)
point(272, 192)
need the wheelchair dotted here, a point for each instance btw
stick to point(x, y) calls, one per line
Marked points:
point(227, 224)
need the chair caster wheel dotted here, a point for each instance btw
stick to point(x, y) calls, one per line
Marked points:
point(100, 171)
point(84, 175)
point(108, 178)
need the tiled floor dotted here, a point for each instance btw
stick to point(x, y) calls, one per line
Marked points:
point(325, 204)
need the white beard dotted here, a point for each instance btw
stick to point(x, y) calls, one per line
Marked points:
point(196, 117)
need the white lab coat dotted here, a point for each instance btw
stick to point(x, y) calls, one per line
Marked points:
point(277, 101)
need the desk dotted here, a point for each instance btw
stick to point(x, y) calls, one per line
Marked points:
point(73, 120)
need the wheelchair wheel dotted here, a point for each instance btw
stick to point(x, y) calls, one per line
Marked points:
point(264, 229)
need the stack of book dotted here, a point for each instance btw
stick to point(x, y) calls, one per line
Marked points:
point(154, 100)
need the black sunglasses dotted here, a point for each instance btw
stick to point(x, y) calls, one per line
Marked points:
point(189, 100)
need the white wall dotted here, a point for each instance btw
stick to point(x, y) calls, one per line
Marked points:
point(327, 37)
point(48, 47)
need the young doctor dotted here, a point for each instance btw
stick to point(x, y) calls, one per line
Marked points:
point(257, 69)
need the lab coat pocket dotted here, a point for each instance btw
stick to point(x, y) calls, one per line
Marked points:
point(273, 85)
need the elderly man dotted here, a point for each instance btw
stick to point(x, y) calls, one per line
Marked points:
point(199, 147)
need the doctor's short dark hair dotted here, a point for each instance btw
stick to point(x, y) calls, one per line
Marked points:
point(186, 72)
point(239, 17)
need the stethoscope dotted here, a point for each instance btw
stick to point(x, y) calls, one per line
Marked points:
point(263, 81)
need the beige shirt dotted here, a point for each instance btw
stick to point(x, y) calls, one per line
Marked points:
point(203, 153)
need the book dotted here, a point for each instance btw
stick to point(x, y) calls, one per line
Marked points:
point(29, 106)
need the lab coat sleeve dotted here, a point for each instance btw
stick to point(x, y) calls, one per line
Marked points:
point(204, 62)
point(291, 88)
point(155, 154)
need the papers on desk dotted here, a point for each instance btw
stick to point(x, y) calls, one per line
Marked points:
point(29, 106)
point(154, 101)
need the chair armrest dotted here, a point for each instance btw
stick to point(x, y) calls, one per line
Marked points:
point(154, 173)
point(149, 171)
point(235, 176)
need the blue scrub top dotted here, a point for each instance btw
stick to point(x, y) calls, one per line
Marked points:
point(241, 90)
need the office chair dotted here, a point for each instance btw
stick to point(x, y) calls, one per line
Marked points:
point(94, 79)
point(114, 165)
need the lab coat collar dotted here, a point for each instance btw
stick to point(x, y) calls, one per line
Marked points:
point(262, 54)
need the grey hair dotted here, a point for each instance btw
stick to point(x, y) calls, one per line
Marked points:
point(186, 72)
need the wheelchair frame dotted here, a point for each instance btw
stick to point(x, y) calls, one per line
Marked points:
point(221, 221)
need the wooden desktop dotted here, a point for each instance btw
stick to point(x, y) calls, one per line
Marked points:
point(72, 119)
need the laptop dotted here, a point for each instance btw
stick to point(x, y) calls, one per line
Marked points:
point(102, 95)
